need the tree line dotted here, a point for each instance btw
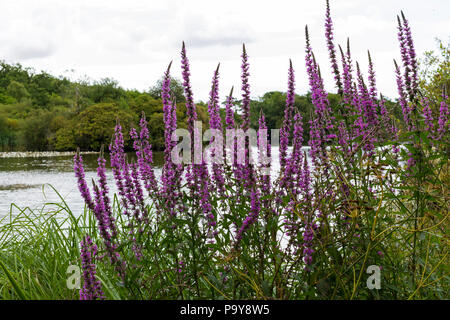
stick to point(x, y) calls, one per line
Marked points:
point(42, 112)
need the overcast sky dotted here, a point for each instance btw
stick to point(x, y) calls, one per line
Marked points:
point(133, 41)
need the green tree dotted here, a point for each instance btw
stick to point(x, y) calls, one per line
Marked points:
point(95, 125)
point(156, 131)
point(435, 72)
point(17, 90)
point(64, 139)
point(36, 131)
point(143, 102)
point(176, 88)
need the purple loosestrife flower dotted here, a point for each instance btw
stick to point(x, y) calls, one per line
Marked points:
point(410, 163)
point(117, 156)
point(245, 91)
point(213, 105)
point(362, 101)
point(428, 116)
point(100, 207)
point(369, 101)
point(194, 172)
point(139, 194)
point(368, 109)
point(319, 96)
point(130, 192)
point(252, 217)
point(168, 106)
point(103, 225)
point(92, 289)
point(388, 124)
point(413, 65)
point(145, 157)
point(293, 182)
point(117, 148)
point(171, 172)
point(230, 124)
point(321, 126)
point(191, 112)
point(315, 140)
point(331, 48)
point(264, 176)
point(402, 97)
point(343, 139)
point(294, 162)
point(229, 113)
point(197, 176)
point(443, 123)
point(384, 115)
point(82, 186)
point(291, 227)
point(404, 55)
point(308, 247)
point(372, 82)
point(139, 210)
point(288, 115)
point(358, 125)
point(304, 181)
point(347, 76)
point(304, 185)
point(103, 187)
point(245, 171)
point(205, 201)
point(297, 142)
point(215, 123)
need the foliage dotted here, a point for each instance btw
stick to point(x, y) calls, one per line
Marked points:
point(26, 95)
point(31, 101)
point(435, 72)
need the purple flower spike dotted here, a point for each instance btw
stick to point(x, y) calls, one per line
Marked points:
point(321, 125)
point(347, 76)
point(413, 65)
point(191, 112)
point(170, 172)
point(443, 123)
point(103, 188)
point(82, 186)
point(372, 81)
point(230, 124)
point(215, 123)
point(251, 218)
point(245, 91)
point(92, 289)
point(265, 177)
point(402, 97)
point(286, 129)
point(331, 49)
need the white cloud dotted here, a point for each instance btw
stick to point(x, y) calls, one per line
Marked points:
point(133, 41)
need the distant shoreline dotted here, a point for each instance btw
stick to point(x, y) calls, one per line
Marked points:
point(40, 154)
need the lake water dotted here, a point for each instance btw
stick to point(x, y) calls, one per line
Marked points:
point(25, 178)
